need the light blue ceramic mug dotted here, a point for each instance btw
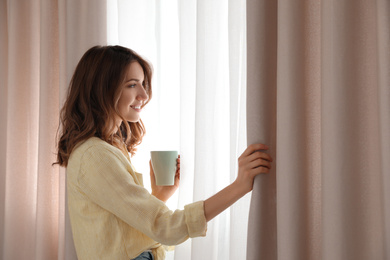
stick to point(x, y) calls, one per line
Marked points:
point(164, 167)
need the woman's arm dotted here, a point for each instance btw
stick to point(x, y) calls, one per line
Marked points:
point(251, 163)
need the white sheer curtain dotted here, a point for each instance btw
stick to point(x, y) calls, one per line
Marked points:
point(198, 52)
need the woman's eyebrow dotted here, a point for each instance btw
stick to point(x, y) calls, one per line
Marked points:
point(132, 80)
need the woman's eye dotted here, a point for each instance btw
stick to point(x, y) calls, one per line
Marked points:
point(132, 86)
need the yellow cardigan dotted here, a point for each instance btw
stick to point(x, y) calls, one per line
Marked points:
point(113, 216)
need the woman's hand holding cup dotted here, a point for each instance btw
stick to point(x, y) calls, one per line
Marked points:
point(164, 173)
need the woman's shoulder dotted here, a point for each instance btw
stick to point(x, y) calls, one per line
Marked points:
point(94, 142)
point(94, 146)
point(95, 152)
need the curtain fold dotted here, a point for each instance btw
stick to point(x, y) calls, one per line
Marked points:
point(353, 207)
point(383, 43)
point(318, 94)
point(261, 122)
point(213, 91)
point(211, 116)
point(21, 170)
point(3, 112)
point(48, 216)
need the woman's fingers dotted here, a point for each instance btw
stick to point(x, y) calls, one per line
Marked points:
point(177, 176)
point(151, 167)
point(259, 155)
point(152, 178)
point(178, 165)
point(254, 161)
point(255, 157)
point(253, 148)
point(256, 167)
point(259, 170)
point(259, 163)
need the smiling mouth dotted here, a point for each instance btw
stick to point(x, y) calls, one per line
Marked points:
point(137, 108)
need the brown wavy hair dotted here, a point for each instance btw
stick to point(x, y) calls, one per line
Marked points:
point(91, 105)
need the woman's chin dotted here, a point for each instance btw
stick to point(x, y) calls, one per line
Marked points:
point(133, 120)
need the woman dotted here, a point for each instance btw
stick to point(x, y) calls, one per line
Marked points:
point(112, 215)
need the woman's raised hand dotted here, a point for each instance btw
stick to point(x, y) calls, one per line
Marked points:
point(252, 162)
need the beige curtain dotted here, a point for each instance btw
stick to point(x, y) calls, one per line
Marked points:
point(40, 43)
point(319, 95)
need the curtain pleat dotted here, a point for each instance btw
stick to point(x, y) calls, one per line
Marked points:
point(48, 181)
point(298, 128)
point(237, 104)
point(187, 30)
point(20, 205)
point(261, 123)
point(3, 113)
point(352, 172)
point(383, 43)
point(325, 81)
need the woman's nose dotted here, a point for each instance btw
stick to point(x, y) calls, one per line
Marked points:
point(143, 95)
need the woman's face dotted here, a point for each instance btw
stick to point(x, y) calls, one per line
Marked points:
point(133, 94)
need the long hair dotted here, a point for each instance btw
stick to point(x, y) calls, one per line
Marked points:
point(91, 105)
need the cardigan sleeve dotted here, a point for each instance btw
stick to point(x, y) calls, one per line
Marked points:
point(106, 179)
